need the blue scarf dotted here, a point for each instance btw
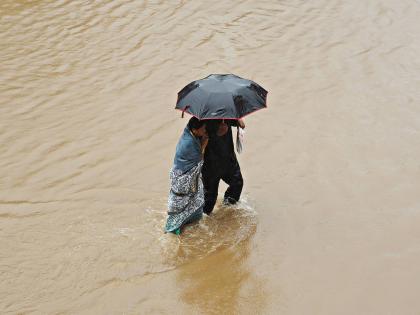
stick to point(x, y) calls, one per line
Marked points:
point(188, 151)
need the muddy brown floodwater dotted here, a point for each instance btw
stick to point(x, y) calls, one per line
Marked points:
point(329, 221)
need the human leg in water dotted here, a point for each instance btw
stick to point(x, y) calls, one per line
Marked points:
point(233, 178)
point(211, 186)
point(193, 218)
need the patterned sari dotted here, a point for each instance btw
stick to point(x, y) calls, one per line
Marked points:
point(186, 196)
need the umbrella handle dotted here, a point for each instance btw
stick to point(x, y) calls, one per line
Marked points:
point(183, 111)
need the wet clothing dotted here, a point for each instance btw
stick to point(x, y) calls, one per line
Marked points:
point(186, 196)
point(220, 163)
point(188, 151)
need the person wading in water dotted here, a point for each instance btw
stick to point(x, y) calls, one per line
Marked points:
point(220, 162)
point(186, 196)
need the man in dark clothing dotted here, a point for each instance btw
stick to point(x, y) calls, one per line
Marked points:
point(220, 163)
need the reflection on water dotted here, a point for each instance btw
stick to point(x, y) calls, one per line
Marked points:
point(216, 285)
point(211, 259)
point(220, 279)
point(225, 228)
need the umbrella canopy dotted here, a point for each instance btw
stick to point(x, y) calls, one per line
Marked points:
point(221, 96)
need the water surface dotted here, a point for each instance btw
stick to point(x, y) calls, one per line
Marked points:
point(330, 219)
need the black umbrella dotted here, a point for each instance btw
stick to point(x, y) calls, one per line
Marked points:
point(221, 96)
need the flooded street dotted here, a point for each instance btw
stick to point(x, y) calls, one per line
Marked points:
point(329, 221)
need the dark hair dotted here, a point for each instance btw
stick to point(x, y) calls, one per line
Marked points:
point(195, 123)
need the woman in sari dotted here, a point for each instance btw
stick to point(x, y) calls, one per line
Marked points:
point(186, 197)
